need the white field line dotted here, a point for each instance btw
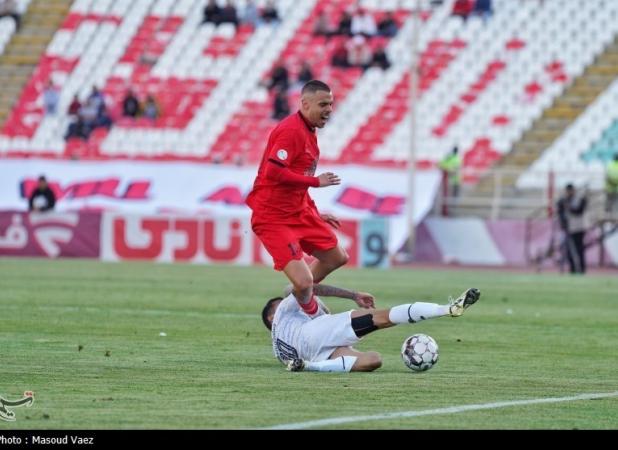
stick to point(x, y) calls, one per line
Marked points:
point(438, 411)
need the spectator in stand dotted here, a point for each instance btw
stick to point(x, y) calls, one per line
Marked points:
point(270, 14)
point(97, 99)
point(42, 198)
point(359, 53)
point(151, 109)
point(323, 26)
point(103, 118)
point(228, 14)
point(483, 8)
point(212, 11)
point(279, 78)
point(462, 8)
point(345, 24)
point(281, 105)
point(380, 59)
point(363, 24)
point(8, 8)
point(77, 127)
point(306, 74)
point(87, 117)
point(74, 107)
point(130, 105)
point(388, 26)
point(51, 97)
point(251, 14)
point(340, 56)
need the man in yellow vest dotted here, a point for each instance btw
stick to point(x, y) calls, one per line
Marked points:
point(611, 186)
point(451, 167)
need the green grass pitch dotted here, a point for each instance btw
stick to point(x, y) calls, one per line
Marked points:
point(85, 337)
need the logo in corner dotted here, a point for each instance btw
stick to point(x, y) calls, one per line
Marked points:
point(282, 154)
point(6, 406)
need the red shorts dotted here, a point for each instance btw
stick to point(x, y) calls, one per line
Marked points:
point(286, 242)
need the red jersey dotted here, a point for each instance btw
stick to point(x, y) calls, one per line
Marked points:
point(293, 144)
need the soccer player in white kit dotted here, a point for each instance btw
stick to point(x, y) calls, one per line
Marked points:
point(322, 342)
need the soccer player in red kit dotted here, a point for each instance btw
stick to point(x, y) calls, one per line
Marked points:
point(285, 217)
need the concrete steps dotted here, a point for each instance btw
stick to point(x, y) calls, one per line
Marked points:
point(23, 52)
point(544, 131)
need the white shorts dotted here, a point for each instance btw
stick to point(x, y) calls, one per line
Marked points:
point(324, 334)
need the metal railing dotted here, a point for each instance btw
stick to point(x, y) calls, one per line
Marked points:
point(604, 225)
point(494, 194)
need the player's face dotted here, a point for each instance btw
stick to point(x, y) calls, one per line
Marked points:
point(318, 107)
point(273, 309)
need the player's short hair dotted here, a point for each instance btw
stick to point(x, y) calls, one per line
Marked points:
point(313, 86)
point(267, 310)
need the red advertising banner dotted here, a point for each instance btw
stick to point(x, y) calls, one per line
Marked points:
point(112, 236)
point(50, 234)
point(194, 239)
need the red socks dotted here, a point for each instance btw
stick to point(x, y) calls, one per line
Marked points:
point(310, 308)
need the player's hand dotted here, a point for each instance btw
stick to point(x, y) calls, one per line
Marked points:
point(364, 300)
point(331, 220)
point(329, 179)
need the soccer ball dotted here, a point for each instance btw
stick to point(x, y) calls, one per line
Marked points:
point(419, 352)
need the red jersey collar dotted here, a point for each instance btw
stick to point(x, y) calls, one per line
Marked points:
point(307, 123)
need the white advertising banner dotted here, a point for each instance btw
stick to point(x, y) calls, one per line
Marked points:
point(210, 190)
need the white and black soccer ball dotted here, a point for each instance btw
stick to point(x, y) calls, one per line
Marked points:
point(420, 352)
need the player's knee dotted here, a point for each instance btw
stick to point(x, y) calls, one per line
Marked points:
point(342, 258)
point(304, 283)
point(371, 361)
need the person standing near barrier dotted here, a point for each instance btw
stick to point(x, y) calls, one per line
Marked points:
point(451, 167)
point(573, 221)
point(42, 197)
point(611, 186)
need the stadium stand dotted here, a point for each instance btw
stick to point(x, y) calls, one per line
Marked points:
point(579, 154)
point(483, 82)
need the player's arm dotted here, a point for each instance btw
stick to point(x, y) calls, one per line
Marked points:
point(362, 299)
point(281, 154)
point(278, 172)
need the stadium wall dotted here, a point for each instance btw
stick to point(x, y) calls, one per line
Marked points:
point(117, 236)
point(113, 236)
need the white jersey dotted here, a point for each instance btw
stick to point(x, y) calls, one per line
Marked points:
point(286, 329)
point(297, 335)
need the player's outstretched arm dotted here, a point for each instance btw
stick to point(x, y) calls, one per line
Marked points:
point(362, 299)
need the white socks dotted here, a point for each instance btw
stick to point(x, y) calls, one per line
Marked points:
point(341, 364)
point(415, 312)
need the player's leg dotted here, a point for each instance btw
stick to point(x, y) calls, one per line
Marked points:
point(300, 276)
point(331, 336)
point(365, 361)
point(340, 331)
point(365, 321)
point(281, 243)
point(318, 239)
point(327, 261)
point(343, 359)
